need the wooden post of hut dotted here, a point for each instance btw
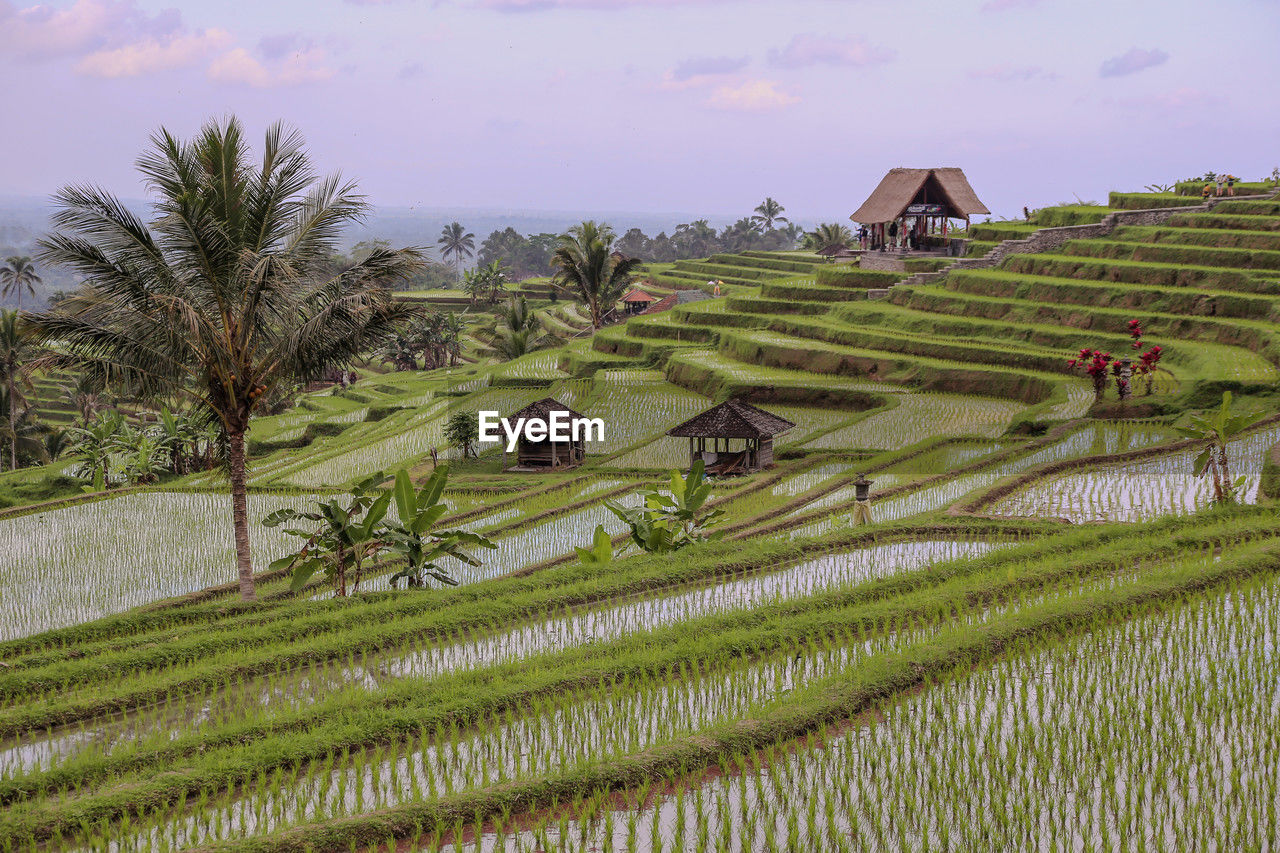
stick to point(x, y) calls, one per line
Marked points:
point(741, 437)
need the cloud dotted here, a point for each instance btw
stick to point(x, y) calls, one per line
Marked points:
point(1012, 73)
point(281, 44)
point(702, 71)
point(239, 66)
point(410, 70)
point(708, 65)
point(808, 49)
point(599, 5)
point(46, 32)
point(751, 96)
point(148, 55)
point(1132, 61)
point(1186, 101)
point(1005, 5)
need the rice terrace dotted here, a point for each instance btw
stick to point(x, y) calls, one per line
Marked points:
point(914, 527)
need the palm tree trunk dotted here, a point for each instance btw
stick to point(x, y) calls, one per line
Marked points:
point(13, 411)
point(240, 515)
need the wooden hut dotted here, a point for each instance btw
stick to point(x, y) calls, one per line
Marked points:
point(921, 200)
point(635, 301)
point(740, 436)
point(545, 455)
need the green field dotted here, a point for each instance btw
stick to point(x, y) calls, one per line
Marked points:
point(1049, 636)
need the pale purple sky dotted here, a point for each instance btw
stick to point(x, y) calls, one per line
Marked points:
point(656, 105)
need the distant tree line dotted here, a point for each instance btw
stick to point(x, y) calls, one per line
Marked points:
point(530, 256)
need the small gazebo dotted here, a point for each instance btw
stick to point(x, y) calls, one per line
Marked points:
point(636, 300)
point(740, 435)
point(545, 455)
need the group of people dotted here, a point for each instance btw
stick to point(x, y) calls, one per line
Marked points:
point(892, 236)
point(1217, 187)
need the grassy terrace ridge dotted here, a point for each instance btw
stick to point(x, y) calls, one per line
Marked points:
point(1266, 262)
point(1003, 339)
point(950, 655)
point(1142, 272)
point(774, 349)
point(1013, 513)
point(1162, 299)
point(1254, 335)
point(938, 591)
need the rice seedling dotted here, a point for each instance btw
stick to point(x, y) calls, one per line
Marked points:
point(1069, 746)
point(920, 416)
point(129, 550)
point(1139, 490)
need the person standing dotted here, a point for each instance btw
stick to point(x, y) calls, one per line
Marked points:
point(1231, 184)
point(893, 234)
point(1218, 184)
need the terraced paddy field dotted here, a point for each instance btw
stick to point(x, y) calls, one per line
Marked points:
point(1045, 592)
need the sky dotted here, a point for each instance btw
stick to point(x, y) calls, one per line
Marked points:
point(701, 106)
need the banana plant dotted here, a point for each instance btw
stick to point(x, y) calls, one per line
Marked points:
point(1213, 433)
point(601, 550)
point(413, 536)
point(665, 523)
point(344, 538)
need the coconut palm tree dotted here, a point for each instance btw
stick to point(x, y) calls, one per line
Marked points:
point(586, 265)
point(828, 234)
point(21, 429)
point(18, 274)
point(767, 213)
point(458, 242)
point(16, 353)
point(519, 331)
point(228, 292)
point(495, 276)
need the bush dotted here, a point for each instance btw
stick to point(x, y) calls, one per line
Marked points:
point(1070, 214)
point(1150, 201)
point(846, 275)
point(1270, 485)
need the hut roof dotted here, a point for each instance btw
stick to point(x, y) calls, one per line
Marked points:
point(635, 294)
point(900, 187)
point(832, 250)
point(732, 419)
point(542, 409)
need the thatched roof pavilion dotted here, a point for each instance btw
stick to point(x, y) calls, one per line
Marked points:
point(732, 421)
point(546, 454)
point(943, 192)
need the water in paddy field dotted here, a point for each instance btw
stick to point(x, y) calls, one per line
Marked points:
point(599, 623)
point(1090, 440)
point(560, 731)
point(1073, 748)
point(1140, 490)
point(77, 563)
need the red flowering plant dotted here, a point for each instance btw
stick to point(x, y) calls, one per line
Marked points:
point(1146, 365)
point(1147, 361)
point(1094, 363)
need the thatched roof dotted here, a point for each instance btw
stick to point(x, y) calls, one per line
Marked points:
point(732, 419)
point(635, 294)
point(832, 250)
point(902, 187)
point(542, 409)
